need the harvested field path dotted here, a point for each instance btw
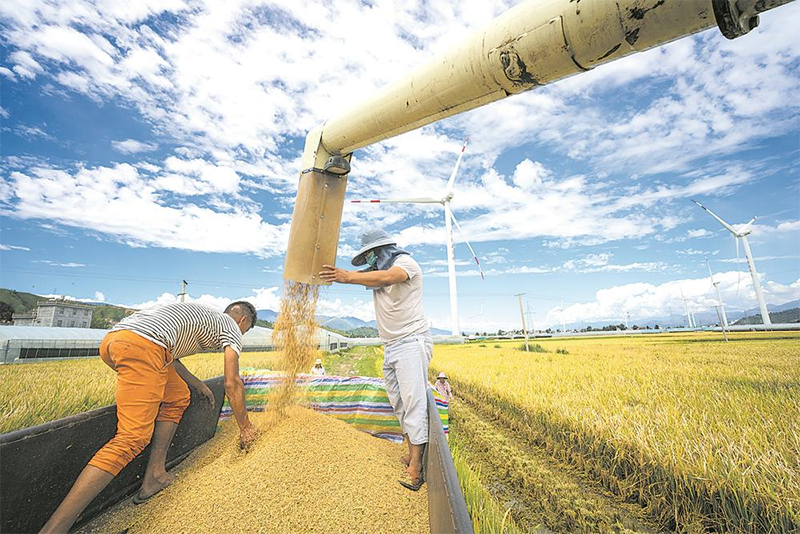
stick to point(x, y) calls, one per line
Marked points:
point(544, 495)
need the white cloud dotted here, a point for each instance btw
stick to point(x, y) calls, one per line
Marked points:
point(13, 247)
point(700, 232)
point(70, 264)
point(268, 298)
point(132, 146)
point(231, 82)
point(645, 302)
point(119, 202)
point(788, 226)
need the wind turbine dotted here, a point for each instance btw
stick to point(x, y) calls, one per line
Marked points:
point(762, 305)
point(449, 220)
point(719, 297)
point(686, 307)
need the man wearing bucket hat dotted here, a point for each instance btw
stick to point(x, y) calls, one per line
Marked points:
point(396, 283)
point(443, 387)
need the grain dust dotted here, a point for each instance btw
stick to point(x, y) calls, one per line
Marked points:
point(295, 336)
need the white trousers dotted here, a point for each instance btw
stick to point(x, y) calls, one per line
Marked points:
point(405, 370)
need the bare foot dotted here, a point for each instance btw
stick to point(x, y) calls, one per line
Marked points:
point(406, 459)
point(152, 486)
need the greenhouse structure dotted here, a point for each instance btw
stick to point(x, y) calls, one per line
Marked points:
point(20, 344)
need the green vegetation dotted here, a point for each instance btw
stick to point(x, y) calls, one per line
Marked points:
point(543, 491)
point(534, 347)
point(357, 361)
point(361, 331)
point(20, 301)
point(791, 315)
point(105, 315)
point(488, 516)
point(702, 434)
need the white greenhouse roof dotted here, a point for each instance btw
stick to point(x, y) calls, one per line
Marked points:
point(49, 333)
point(258, 335)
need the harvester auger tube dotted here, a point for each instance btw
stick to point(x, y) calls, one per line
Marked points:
point(534, 43)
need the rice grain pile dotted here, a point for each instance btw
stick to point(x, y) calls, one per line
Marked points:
point(310, 473)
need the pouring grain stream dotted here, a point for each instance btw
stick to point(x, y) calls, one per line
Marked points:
point(295, 336)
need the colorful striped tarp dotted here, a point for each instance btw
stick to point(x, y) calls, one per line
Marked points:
point(358, 400)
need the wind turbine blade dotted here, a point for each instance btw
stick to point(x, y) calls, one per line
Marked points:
point(455, 169)
point(723, 223)
point(463, 235)
point(397, 201)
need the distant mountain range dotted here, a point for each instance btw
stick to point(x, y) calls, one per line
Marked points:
point(341, 324)
point(678, 318)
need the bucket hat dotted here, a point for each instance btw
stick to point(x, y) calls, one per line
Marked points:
point(371, 239)
point(442, 375)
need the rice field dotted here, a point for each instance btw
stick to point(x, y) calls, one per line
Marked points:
point(35, 393)
point(701, 435)
point(678, 432)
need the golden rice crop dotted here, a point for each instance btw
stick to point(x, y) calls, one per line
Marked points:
point(35, 393)
point(703, 434)
point(339, 480)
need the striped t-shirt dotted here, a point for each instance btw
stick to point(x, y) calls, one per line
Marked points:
point(185, 328)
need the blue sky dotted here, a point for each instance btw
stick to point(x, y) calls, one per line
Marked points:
point(157, 141)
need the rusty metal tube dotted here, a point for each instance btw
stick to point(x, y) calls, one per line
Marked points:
point(534, 43)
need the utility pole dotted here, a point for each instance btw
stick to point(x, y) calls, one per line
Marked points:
point(563, 324)
point(530, 319)
point(182, 295)
point(524, 328)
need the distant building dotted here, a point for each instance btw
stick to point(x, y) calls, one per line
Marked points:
point(58, 313)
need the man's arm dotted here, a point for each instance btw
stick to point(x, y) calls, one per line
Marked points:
point(194, 383)
point(393, 275)
point(234, 389)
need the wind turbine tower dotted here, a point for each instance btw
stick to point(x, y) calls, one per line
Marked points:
point(686, 307)
point(719, 297)
point(742, 235)
point(449, 221)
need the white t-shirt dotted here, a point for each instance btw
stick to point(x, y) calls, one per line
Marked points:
point(398, 307)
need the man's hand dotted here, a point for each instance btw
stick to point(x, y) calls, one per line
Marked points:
point(331, 274)
point(248, 434)
point(207, 395)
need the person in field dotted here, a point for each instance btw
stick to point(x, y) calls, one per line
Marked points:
point(396, 283)
point(153, 391)
point(443, 387)
point(318, 369)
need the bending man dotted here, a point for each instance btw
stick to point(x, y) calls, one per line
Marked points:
point(153, 392)
point(396, 281)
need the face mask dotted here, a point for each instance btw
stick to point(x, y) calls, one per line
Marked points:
point(371, 258)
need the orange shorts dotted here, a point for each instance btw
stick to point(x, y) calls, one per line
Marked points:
point(148, 390)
